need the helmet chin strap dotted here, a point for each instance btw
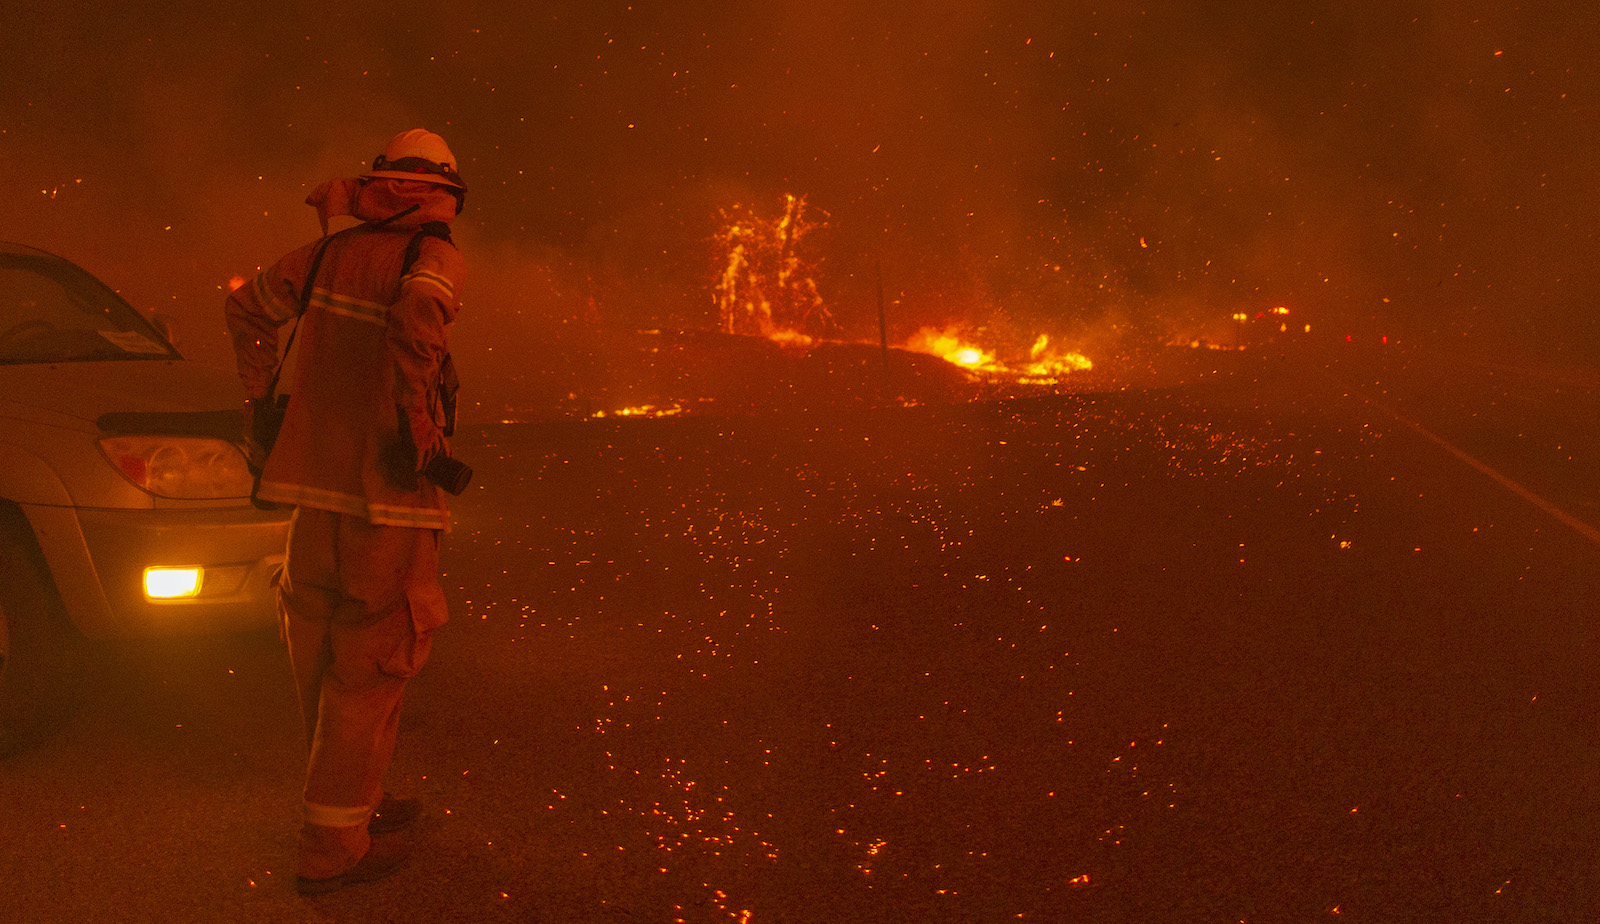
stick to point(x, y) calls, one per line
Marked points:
point(400, 214)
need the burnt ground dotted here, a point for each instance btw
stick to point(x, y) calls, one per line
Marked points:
point(1240, 648)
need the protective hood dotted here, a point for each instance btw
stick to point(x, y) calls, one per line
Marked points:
point(377, 198)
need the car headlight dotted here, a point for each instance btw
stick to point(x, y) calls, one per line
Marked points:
point(188, 467)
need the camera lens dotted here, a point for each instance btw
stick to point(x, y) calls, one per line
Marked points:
point(450, 474)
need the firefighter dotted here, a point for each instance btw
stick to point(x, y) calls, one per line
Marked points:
point(359, 595)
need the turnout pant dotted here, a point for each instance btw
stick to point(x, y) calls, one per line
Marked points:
point(359, 604)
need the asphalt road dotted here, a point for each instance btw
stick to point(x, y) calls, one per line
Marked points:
point(1262, 646)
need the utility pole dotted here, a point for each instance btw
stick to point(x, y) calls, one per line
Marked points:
point(883, 324)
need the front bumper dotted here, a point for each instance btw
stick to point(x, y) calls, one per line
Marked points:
point(98, 558)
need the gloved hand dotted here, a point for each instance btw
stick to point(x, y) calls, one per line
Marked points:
point(423, 435)
point(262, 419)
point(416, 444)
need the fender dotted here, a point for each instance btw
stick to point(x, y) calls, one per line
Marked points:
point(32, 486)
point(27, 479)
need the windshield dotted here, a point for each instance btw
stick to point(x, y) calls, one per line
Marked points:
point(52, 311)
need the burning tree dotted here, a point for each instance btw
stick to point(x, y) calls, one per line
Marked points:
point(766, 286)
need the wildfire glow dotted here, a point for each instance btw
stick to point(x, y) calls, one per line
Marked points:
point(765, 282)
point(765, 287)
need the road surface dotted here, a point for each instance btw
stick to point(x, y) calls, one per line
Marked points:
point(1264, 645)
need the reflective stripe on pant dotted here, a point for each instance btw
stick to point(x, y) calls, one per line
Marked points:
point(359, 605)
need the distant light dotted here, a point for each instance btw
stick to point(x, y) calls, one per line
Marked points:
point(171, 583)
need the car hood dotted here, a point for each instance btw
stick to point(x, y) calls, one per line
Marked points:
point(75, 395)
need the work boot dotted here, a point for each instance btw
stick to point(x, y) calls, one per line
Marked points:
point(382, 859)
point(393, 815)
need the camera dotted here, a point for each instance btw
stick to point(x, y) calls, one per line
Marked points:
point(450, 474)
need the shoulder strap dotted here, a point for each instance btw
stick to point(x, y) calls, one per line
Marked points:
point(305, 302)
point(437, 229)
point(311, 275)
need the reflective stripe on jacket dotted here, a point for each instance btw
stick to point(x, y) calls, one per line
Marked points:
point(369, 342)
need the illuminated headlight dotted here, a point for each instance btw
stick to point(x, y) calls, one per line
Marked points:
point(171, 583)
point(190, 467)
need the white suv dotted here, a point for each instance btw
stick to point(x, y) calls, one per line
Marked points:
point(124, 498)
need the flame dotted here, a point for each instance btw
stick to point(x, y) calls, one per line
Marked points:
point(785, 337)
point(641, 410)
point(1045, 365)
point(951, 346)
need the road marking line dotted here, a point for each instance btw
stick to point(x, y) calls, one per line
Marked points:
point(1583, 529)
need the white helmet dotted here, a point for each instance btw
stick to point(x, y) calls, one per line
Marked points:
point(417, 154)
